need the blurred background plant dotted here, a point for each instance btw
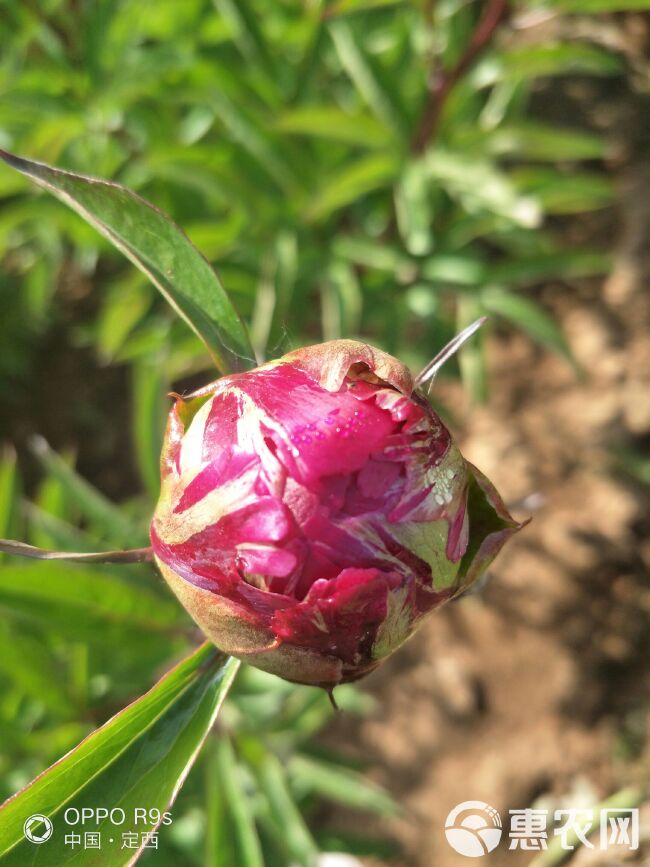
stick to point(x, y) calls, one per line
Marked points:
point(368, 168)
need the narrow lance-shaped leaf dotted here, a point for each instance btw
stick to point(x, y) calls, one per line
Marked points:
point(138, 760)
point(77, 598)
point(8, 491)
point(107, 517)
point(239, 807)
point(149, 415)
point(529, 317)
point(159, 248)
point(284, 813)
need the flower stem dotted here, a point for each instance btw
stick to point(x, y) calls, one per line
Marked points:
point(21, 549)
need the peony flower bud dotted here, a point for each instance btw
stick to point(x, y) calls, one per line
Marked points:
point(315, 509)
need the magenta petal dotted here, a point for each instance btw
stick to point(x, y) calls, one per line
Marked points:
point(458, 537)
point(377, 477)
point(341, 616)
point(225, 467)
point(325, 433)
point(267, 520)
point(270, 562)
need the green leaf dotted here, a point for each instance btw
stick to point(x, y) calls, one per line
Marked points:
point(331, 122)
point(350, 7)
point(249, 133)
point(284, 814)
point(564, 193)
point(113, 523)
point(537, 141)
point(528, 316)
point(239, 806)
point(8, 492)
point(354, 181)
point(48, 531)
point(159, 248)
point(591, 7)
point(340, 784)
point(368, 78)
point(125, 306)
point(374, 254)
point(78, 597)
point(248, 35)
point(553, 58)
point(149, 414)
point(562, 265)
point(413, 209)
point(479, 185)
point(219, 844)
point(29, 664)
point(138, 759)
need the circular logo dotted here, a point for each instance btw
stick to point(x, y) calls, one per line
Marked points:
point(473, 828)
point(37, 829)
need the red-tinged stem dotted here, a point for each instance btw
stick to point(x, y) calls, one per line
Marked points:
point(330, 694)
point(442, 83)
point(20, 549)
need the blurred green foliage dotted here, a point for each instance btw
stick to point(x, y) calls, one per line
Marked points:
point(284, 142)
point(286, 139)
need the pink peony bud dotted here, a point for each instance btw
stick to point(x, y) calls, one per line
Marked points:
point(315, 509)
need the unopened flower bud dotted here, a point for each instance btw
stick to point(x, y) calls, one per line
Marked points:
point(315, 509)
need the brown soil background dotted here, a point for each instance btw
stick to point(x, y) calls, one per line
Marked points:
point(534, 691)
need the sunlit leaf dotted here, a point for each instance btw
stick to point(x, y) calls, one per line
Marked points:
point(29, 664)
point(367, 77)
point(528, 316)
point(413, 209)
point(480, 185)
point(349, 7)
point(8, 493)
point(563, 192)
point(355, 181)
point(339, 784)
point(331, 122)
point(284, 814)
point(159, 248)
point(114, 524)
point(149, 414)
point(238, 804)
point(553, 58)
point(591, 7)
point(79, 598)
point(248, 34)
point(138, 759)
